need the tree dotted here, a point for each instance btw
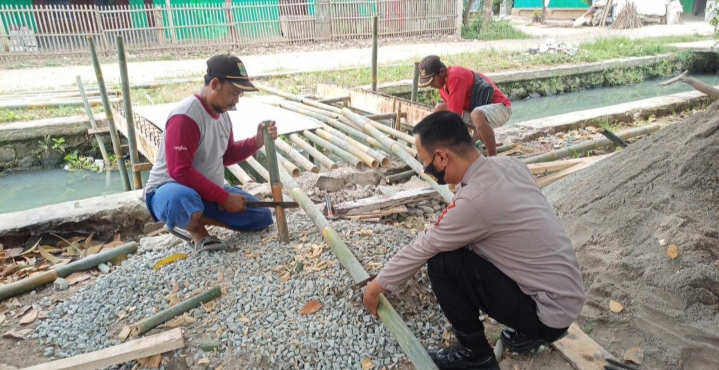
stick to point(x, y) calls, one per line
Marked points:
point(486, 14)
point(465, 14)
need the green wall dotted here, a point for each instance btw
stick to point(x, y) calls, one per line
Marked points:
point(534, 4)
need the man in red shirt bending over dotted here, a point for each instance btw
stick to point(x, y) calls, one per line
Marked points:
point(470, 94)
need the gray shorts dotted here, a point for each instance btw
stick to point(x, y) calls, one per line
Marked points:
point(497, 115)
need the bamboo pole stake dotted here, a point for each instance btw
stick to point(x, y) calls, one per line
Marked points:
point(91, 117)
point(28, 284)
point(163, 316)
point(240, 174)
point(326, 145)
point(397, 149)
point(415, 83)
point(381, 158)
point(289, 166)
point(364, 157)
point(323, 159)
point(129, 118)
point(375, 40)
point(296, 156)
point(109, 115)
point(399, 176)
point(257, 166)
point(276, 184)
point(387, 314)
point(591, 144)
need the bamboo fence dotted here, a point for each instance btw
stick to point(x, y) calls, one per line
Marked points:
point(62, 30)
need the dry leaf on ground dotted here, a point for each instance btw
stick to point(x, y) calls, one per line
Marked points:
point(185, 319)
point(31, 249)
point(46, 255)
point(2, 318)
point(12, 253)
point(14, 303)
point(367, 364)
point(29, 317)
point(244, 319)
point(152, 362)
point(88, 241)
point(615, 306)
point(673, 251)
point(20, 334)
point(126, 331)
point(169, 260)
point(22, 311)
point(635, 355)
point(77, 277)
point(311, 307)
point(203, 361)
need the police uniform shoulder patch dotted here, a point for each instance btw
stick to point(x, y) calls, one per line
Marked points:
point(450, 206)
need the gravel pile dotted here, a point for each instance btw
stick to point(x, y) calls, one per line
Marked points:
point(257, 320)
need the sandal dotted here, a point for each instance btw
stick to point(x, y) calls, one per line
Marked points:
point(210, 243)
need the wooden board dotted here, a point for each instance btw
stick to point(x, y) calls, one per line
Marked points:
point(139, 348)
point(367, 205)
point(250, 112)
point(99, 130)
point(545, 167)
point(144, 144)
point(582, 352)
point(549, 179)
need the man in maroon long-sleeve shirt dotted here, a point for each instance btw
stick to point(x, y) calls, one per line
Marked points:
point(186, 186)
point(470, 94)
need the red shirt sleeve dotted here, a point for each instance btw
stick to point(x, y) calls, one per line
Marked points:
point(238, 151)
point(457, 87)
point(182, 136)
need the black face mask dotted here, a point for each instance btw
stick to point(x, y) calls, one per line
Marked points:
point(432, 172)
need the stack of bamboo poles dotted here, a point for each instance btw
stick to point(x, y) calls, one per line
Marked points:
point(628, 18)
point(53, 98)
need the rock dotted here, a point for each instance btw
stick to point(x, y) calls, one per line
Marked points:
point(159, 243)
point(60, 284)
point(209, 345)
point(27, 163)
point(389, 190)
point(51, 158)
point(330, 183)
point(103, 268)
point(635, 355)
point(7, 154)
point(534, 95)
point(519, 93)
point(259, 190)
point(362, 178)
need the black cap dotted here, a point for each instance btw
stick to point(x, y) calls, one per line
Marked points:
point(230, 68)
point(428, 67)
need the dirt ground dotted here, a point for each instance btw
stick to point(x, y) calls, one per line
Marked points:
point(644, 224)
point(318, 57)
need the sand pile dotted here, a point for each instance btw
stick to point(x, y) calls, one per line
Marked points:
point(622, 215)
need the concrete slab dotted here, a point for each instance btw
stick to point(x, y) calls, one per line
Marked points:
point(124, 213)
point(63, 126)
point(706, 46)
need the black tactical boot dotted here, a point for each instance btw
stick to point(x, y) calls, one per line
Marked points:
point(515, 341)
point(465, 354)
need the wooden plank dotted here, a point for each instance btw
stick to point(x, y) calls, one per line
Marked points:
point(99, 130)
point(539, 168)
point(139, 348)
point(549, 179)
point(366, 205)
point(378, 213)
point(582, 352)
point(144, 145)
point(140, 167)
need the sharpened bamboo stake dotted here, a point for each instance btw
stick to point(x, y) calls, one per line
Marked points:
point(323, 159)
point(93, 124)
point(163, 316)
point(275, 183)
point(296, 156)
point(591, 144)
point(129, 117)
point(349, 158)
point(390, 318)
point(397, 149)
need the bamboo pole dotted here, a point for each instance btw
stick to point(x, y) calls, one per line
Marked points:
point(591, 144)
point(51, 103)
point(165, 315)
point(289, 166)
point(399, 176)
point(109, 116)
point(397, 149)
point(349, 158)
point(337, 99)
point(612, 137)
point(276, 184)
point(381, 116)
point(375, 40)
point(129, 118)
point(367, 159)
point(93, 124)
point(415, 83)
point(240, 174)
point(258, 167)
point(296, 156)
point(28, 284)
point(323, 159)
point(387, 314)
point(381, 158)
point(711, 92)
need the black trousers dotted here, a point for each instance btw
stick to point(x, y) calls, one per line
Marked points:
point(465, 283)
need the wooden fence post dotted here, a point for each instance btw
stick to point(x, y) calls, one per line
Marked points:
point(170, 21)
point(230, 16)
point(458, 24)
point(4, 39)
point(159, 24)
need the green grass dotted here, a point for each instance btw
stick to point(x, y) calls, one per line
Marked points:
point(497, 30)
